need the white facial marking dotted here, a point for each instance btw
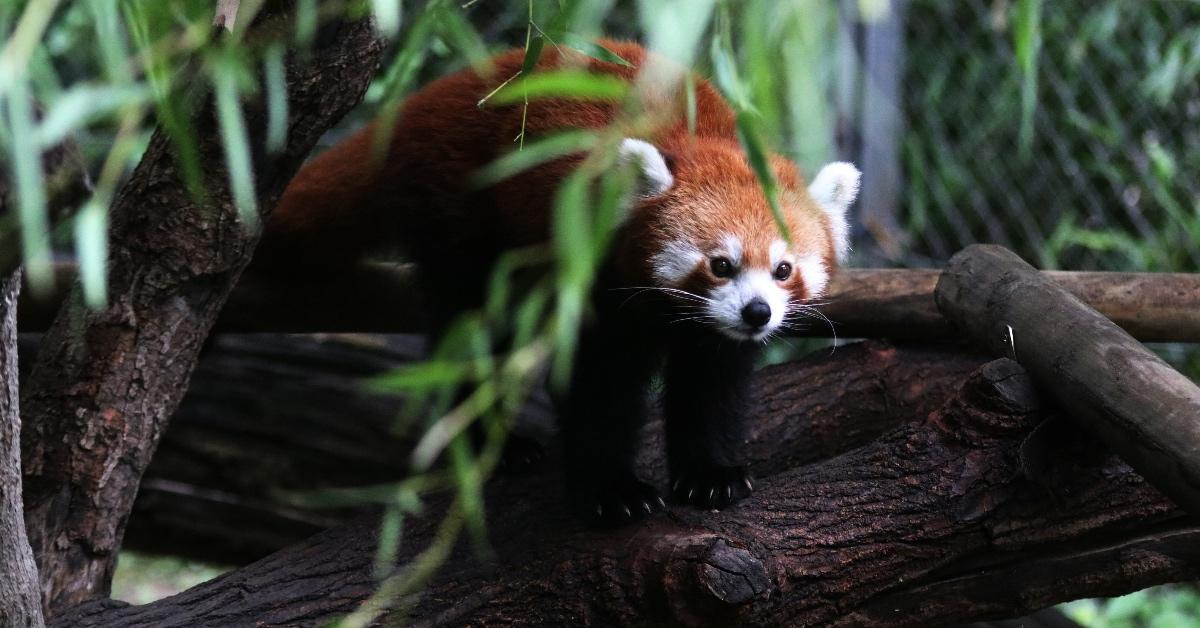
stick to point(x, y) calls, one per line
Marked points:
point(777, 250)
point(676, 260)
point(816, 276)
point(728, 300)
point(656, 177)
point(733, 249)
point(834, 188)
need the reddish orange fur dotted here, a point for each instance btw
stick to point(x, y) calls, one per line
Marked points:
point(343, 203)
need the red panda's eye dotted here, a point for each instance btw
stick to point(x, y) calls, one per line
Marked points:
point(783, 271)
point(722, 267)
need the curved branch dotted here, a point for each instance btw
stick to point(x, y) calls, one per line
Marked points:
point(816, 544)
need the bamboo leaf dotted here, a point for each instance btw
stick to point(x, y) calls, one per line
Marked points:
point(462, 36)
point(756, 154)
point(534, 154)
point(565, 84)
point(91, 249)
point(25, 162)
point(595, 50)
point(235, 140)
point(1027, 34)
point(275, 77)
point(82, 104)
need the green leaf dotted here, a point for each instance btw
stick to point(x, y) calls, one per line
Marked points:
point(534, 154)
point(566, 84)
point(462, 36)
point(26, 167)
point(306, 22)
point(81, 104)
point(533, 52)
point(756, 154)
point(595, 50)
point(91, 249)
point(234, 138)
point(275, 77)
point(421, 376)
point(1027, 42)
point(171, 107)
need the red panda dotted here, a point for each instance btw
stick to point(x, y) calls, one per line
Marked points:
point(698, 275)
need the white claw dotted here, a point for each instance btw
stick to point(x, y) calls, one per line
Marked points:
point(661, 503)
point(675, 486)
point(690, 493)
point(711, 492)
point(728, 492)
point(627, 513)
point(646, 507)
point(599, 510)
point(749, 486)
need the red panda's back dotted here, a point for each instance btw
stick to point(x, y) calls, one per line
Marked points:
point(348, 201)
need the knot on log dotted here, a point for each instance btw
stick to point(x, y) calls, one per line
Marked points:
point(998, 401)
point(713, 584)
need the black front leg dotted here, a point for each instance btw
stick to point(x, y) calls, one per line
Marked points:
point(705, 405)
point(601, 417)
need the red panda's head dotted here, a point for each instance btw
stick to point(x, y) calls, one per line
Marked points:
point(704, 234)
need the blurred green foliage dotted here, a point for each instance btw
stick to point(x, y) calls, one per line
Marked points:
point(1099, 175)
point(1170, 606)
point(1067, 131)
point(142, 578)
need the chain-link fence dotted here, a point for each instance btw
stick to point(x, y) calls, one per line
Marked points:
point(1107, 178)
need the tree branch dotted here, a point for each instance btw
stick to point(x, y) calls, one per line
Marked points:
point(20, 601)
point(938, 501)
point(1110, 383)
point(100, 393)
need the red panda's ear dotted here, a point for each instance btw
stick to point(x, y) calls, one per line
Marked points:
point(654, 176)
point(834, 190)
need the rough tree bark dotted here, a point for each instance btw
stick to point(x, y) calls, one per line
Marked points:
point(103, 388)
point(266, 414)
point(272, 413)
point(945, 519)
point(20, 601)
point(1110, 383)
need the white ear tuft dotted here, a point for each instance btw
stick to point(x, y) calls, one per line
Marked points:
point(655, 177)
point(834, 189)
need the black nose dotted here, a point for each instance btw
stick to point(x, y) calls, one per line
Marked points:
point(756, 313)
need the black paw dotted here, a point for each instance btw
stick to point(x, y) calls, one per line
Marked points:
point(521, 454)
point(616, 501)
point(711, 486)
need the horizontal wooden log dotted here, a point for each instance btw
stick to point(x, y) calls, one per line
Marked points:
point(899, 303)
point(862, 303)
point(942, 505)
point(1105, 379)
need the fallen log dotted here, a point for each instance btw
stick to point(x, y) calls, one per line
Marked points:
point(1104, 379)
point(930, 507)
point(861, 303)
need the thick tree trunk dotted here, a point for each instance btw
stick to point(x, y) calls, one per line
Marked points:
point(20, 602)
point(1110, 383)
point(101, 391)
point(941, 520)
